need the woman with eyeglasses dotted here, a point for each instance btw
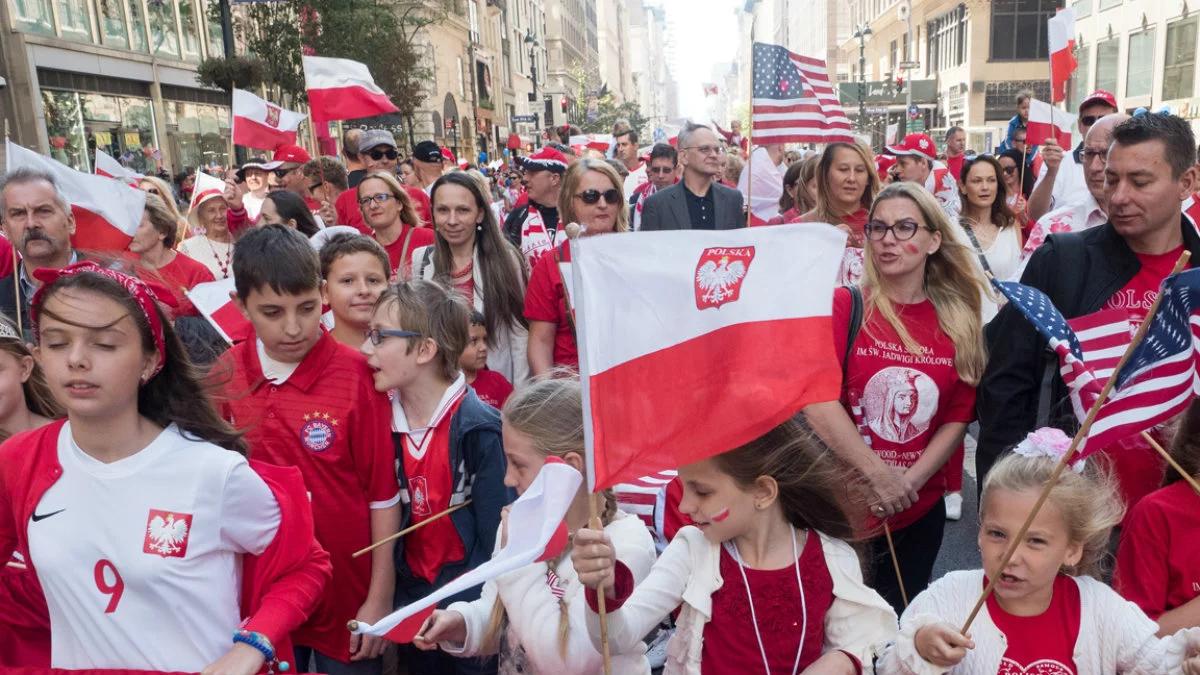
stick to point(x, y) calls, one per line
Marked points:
point(387, 210)
point(592, 195)
point(911, 367)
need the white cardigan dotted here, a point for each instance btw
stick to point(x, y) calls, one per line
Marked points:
point(533, 612)
point(1114, 635)
point(859, 621)
point(508, 356)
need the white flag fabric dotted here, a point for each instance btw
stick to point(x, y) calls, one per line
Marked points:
point(1046, 121)
point(212, 299)
point(106, 165)
point(341, 89)
point(258, 123)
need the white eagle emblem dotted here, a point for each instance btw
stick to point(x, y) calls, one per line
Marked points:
point(167, 533)
point(719, 275)
point(923, 143)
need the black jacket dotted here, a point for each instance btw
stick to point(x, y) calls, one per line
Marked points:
point(516, 218)
point(9, 288)
point(1021, 389)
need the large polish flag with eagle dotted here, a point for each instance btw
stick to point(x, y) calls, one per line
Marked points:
point(107, 212)
point(692, 343)
point(536, 532)
point(258, 123)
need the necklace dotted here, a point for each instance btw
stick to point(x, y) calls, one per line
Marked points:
point(222, 264)
point(731, 548)
point(464, 272)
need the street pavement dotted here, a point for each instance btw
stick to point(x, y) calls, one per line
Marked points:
point(959, 548)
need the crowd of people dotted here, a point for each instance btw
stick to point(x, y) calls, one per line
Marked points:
point(412, 358)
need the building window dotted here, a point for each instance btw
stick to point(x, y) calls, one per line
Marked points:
point(1140, 72)
point(1108, 4)
point(198, 134)
point(1107, 59)
point(111, 14)
point(77, 123)
point(34, 16)
point(1019, 29)
point(216, 39)
point(191, 34)
point(1082, 8)
point(1079, 81)
point(946, 40)
point(74, 22)
point(164, 33)
point(1000, 98)
point(137, 25)
point(1179, 71)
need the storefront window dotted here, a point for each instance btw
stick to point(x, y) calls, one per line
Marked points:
point(34, 16)
point(122, 126)
point(164, 35)
point(191, 35)
point(137, 24)
point(64, 127)
point(198, 134)
point(73, 20)
point(216, 40)
point(112, 23)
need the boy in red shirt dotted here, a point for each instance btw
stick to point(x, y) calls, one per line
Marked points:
point(491, 387)
point(448, 450)
point(306, 400)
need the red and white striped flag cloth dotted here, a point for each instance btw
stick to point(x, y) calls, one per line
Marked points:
point(106, 165)
point(536, 533)
point(258, 123)
point(794, 101)
point(1061, 34)
point(214, 300)
point(643, 497)
point(1046, 121)
point(106, 213)
point(683, 362)
point(1103, 338)
point(711, 89)
point(341, 89)
point(601, 142)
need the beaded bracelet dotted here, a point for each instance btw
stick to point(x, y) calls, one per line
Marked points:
point(262, 644)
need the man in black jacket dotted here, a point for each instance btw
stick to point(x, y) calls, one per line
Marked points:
point(1117, 265)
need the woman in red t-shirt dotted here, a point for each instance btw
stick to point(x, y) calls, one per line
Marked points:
point(592, 195)
point(846, 185)
point(388, 211)
point(154, 244)
point(910, 375)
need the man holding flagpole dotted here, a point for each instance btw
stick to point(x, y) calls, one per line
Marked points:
point(1061, 176)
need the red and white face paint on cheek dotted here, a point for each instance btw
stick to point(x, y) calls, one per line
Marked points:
point(720, 516)
point(911, 249)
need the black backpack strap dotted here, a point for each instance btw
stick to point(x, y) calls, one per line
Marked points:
point(856, 318)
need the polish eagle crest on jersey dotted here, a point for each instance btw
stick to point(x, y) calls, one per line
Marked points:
point(420, 496)
point(319, 431)
point(167, 533)
point(719, 275)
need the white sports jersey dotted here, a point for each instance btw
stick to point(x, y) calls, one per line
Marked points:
point(945, 189)
point(1070, 185)
point(140, 559)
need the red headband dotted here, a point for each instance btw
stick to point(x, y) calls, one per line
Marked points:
point(144, 293)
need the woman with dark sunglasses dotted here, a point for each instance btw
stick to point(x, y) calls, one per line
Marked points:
point(1017, 184)
point(592, 195)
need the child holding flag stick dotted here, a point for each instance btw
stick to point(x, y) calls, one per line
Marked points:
point(512, 617)
point(771, 517)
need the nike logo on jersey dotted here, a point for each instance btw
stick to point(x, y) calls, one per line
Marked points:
point(37, 517)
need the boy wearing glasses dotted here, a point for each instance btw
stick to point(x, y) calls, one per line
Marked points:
point(448, 450)
point(305, 400)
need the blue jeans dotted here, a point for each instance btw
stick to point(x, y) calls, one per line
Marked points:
point(309, 660)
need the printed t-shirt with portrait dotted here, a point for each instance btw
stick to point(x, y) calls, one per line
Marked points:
point(1042, 644)
point(898, 399)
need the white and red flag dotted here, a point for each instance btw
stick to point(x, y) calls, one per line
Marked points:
point(106, 213)
point(681, 337)
point(536, 532)
point(341, 89)
point(258, 123)
point(1061, 34)
point(600, 142)
point(711, 89)
point(106, 165)
point(1046, 121)
point(214, 300)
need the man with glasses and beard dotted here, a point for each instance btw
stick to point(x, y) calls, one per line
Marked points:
point(377, 152)
point(37, 219)
point(1061, 181)
point(698, 202)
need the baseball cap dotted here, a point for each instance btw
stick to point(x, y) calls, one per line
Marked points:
point(546, 159)
point(448, 155)
point(883, 163)
point(427, 151)
point(915, 144)
point(287, 154)
point(374, 138)
point(1099, 96)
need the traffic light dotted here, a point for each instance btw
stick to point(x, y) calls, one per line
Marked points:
point(563, 103)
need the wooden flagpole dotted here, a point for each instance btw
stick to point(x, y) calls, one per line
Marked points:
point(408, 529)
point(1070, 453)
point(16, 262)
point(887, 532)
point(750, 135)
point(1171, 461)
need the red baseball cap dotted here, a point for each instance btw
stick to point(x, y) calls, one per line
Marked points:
point(287, 154)
point(449, 155)
point(1099, 96)
point(546, 159)
point(915, 144)
point(882, 164)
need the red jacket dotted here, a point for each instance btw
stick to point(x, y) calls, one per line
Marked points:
point(279, 587)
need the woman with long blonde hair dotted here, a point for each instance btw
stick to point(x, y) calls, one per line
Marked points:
point(160, 188)
point(910, 368)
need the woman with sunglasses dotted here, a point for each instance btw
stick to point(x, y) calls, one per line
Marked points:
point(1017, 185)
point(592, 195)
point(911, 367)
point(388, 211)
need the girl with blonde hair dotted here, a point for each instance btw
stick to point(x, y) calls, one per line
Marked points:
point(917, 320)
point(514, 614)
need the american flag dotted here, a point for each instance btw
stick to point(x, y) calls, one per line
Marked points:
point(794, 101)
point(1160, 379)
point(645, 498)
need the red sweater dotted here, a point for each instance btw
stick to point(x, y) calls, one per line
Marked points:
point(279, 587)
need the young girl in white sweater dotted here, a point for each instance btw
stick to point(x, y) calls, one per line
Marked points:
point(534, 617)
point(763, 580)
point(1047, 614)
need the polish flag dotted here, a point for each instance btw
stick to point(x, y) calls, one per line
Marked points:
point(258, 123)
point(106, 213)
point(341, 89)
point(106, 165)
point(711, 89)
point(214, 300)
point(726, 335)
point(601, 142)
point(536, 532)
point(1061, 33)
point(1046, 121)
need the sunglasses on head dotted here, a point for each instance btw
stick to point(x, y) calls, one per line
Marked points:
point(612, 196)
point(380, 154)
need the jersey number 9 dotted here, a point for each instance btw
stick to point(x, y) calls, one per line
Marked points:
point(113, 590)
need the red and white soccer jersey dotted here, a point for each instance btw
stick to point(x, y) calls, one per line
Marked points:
point(140, 558)
point(945, 189)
